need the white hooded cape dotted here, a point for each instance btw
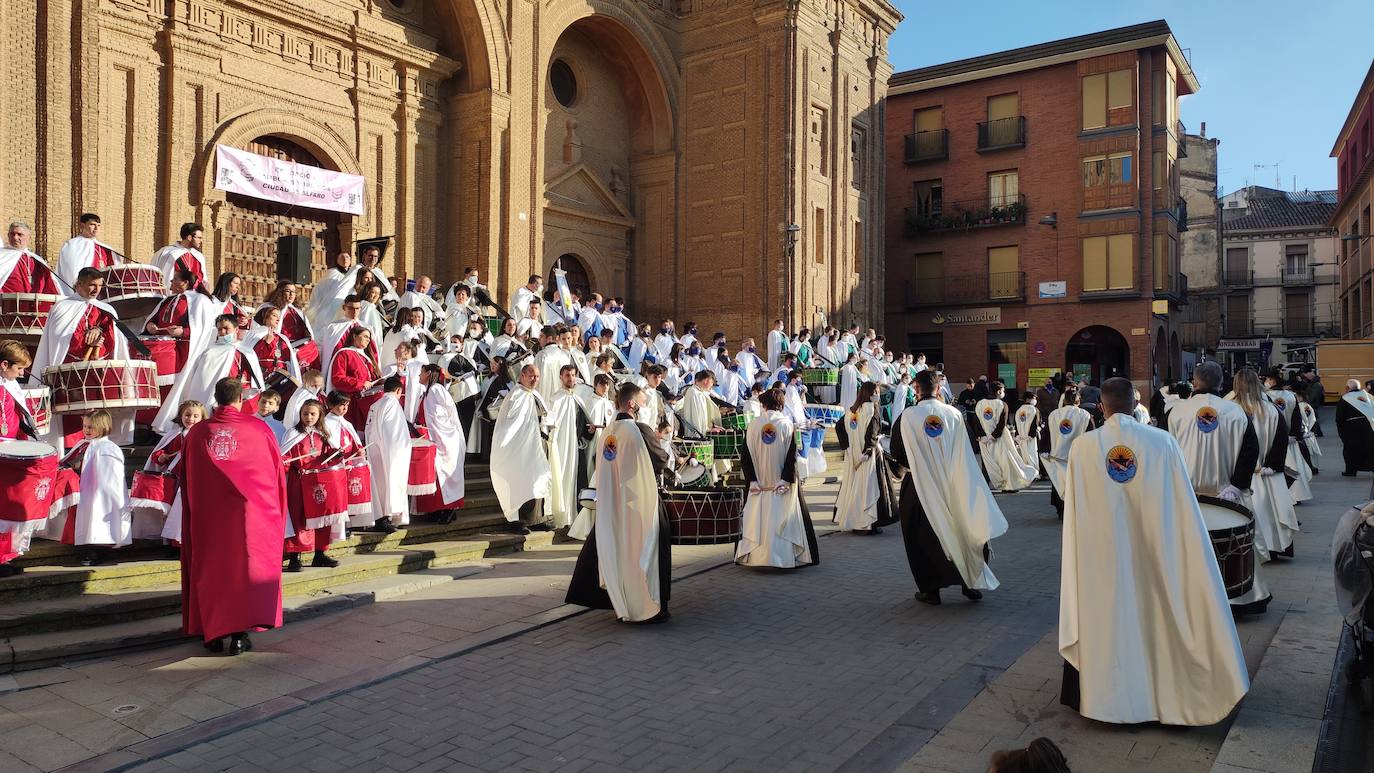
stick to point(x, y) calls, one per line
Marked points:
point(260, 332)
point(78, 253)
point(519, 464)
point(627, 523)
point(952, 492)
point(166, 262)
point(1065, 425)
point(9, 260)
point(1142, 610)
point(1270, 500)
point(561, 503)
point(1210, 431)
point(1296, 465)
point(446, 432)
point(773, 533)
point(388, 454)
point(201, 312)
point(1007, 471)
point(63, 318)
point(197, 382)
point(856, 505)
point(600, 413)
point(102, 514)
point(1027, 444)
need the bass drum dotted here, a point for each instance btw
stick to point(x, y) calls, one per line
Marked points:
point(1231, 527)
point(712, 516)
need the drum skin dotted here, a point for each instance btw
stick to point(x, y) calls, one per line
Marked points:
point(826, 415)
point(133, 290)
point(704, 451)
point(23, 315)
point(737, 421)
point(85, 386)
point(1231, 528)
point(712, 516)
point(727, 444)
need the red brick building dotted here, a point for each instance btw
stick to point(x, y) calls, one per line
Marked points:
point(1033, 209)
point(1354, 154)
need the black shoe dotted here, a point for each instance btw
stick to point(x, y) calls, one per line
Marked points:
point(384, 526)
point(519, 528)
point(238, 644)
point(544, 526)
point(171, 552)
point(10, 570)
point(932, 598)
point(293, 563)
point(216, 646)
point(323, 561)
point(661, 617)
point(972, 595)
point(89, 558)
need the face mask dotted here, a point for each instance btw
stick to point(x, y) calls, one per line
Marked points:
point(694, 351)
point(751, 350)
point(598, 306)
point(228, 339)
point(664, 330)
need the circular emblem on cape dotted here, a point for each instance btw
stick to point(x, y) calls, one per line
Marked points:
point(1361, 398)
point(40, 492)
point(318, 494)
point(1207, 419)
point(987, 414)
point(769, 434)
point(1121, 464)
point(934, 427)
point(355, 486)
point(1065, 426)
point(608, 450)
point(1281, 403)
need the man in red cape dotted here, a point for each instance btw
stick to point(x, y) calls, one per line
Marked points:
point(235, 518)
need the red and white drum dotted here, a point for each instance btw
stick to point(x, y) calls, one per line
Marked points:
point(85, 386)
point(23, 315)
point(424, 476)
point(28, 490)
point(39, 402)
point(153, 490)
point(324, 496)
point(133, 290)
point(307, 354)
point(359, 486)
point(169, 355)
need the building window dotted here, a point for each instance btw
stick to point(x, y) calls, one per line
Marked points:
point(1237, 315)
point(1297, 312)
point(858, 247)
point(1295, 260)
point(1103, 93)
point(1237, 269)
point(930, 277)
point(1004, 272)
point(1164, 261)
point(1003, 127)
point(819, 235)
point(1113, 169)
point(930, 197)
point(563, 82)
point(930, 119)
point(1003, 188)
point(820, 152)
point(1107, 262)
point(857, 168)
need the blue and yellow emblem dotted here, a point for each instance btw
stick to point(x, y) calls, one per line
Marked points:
point(934, 427)
point(769, 434)
point(1065, 426)
point(1281, 403)
point(608, 450)
point(854, 420)
point(1121, 465)
point(987, 413)
point(1207, 420)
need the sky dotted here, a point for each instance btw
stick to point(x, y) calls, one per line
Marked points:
point(1278, 78)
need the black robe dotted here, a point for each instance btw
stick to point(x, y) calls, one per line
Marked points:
point(584, 589)
point(1357, 438)
point(789, 474)
point(930, 567)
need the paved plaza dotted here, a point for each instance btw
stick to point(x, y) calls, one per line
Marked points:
point(824, 668)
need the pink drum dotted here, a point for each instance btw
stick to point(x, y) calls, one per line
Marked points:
point(133, 290)
point(308, 355)
point(359, 487)
point(324, 496)
point(84, 386)
point(27, 485)
point(169, 355)
point(153, 490)
point(39, 402)
point(23, 315)
point(424, 478)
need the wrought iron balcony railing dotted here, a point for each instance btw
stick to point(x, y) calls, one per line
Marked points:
point(974, 213)
point(1002, 133)
point(927, 146)
point(1237, 277)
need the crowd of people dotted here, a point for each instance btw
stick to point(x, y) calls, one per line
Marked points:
point(358, 411)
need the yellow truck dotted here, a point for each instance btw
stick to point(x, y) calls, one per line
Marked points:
point(1339, 360)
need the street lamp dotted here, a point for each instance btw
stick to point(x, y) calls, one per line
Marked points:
point(1051, 220)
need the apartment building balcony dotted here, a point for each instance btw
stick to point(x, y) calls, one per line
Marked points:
point(1182, 139)
point(1237, 277)
point(964, 215)
point(1300, 276)
point(966, 289)
point(1174, 289)
point(1304, 327)
point(927, 146)
point(1002, 134)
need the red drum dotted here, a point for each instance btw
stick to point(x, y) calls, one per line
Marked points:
point(28, 489)
point(1231, 527)
point(324, 496)
point(424, 477)
point(307, 354)
point(153, 490)
point(133, 290)
point(359, 487)
point(39, 402)
point(169, 355)
point(23, 315)
point(705, 516)
point(84, 386)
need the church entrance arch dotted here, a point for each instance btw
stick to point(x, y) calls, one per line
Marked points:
point(1098, 351)
point(253, 226)
point(578, 277)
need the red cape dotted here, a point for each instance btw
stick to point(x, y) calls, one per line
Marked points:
point(234, 490)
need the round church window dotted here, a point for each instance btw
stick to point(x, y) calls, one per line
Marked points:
point(563, 82)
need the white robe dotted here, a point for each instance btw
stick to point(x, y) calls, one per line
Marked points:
point(856, 505)
point(79, 253)
point(600, 413)
point(773, 533)
point(849, 386)
point(561, 504)
point(550, 360)
point(699, 410)
point(1271, 502)
point(446, 431)
point(627, 523)
point(1309, 426)
point(388, 454)
point(102, 515)
point(1142, 609)
point(519, 462)
point(166, 261)
point(1297, 466)
point(955, 498)
point(1026, 442)
point(410, 374)
point(327, 296)
point(197, 382)
point(777, 344)
point(1007, 471)
point(1065, 425)
point(520, 302)
point(426, 304)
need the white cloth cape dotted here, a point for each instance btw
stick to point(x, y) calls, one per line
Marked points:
point(388, 454)
point(1297, 466)
point(1142, 609)
point(952, 492)
point(201, 312)
point(9, 260)
point(292, 416)
point(849, 386)
point(446, 432)
point(166, 261)
point(773, 533)
point(411, 375)
point(777, 344)
point(63, 318)
point(1210, 454)
point(1026, 443)
point(102, 515)
point(1007, 471)
point(1062, 437)
point(1309, 425)
point(197, 381)
point(430, 307)
point(550, 360)
point(519, 463)
point(1271, 502)
point(561, 504)
point(627, 523)
point(600, 413)
point(79, 253)
point(856, 505)
point(260, 332)
point(1363, 402)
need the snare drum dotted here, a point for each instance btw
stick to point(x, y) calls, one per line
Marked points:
point(359, 487)
point(324, 496)
point(819, 377)
point(23, 315)
point(28, 490)
point(711, 516)
point(737, 421)
point(153, 490)
point(825, 415)
point(1231, 527)
point(307, 354)
point(727, 443)
point(701, 450)
point(424, 477)
point(84, 386)
point(169, 355)
point(692, 475)
point(39, 402)
point(133, 290)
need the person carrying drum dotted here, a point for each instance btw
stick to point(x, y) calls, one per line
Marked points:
point(1222, 452)
point(629, 547)
point(1144, 628)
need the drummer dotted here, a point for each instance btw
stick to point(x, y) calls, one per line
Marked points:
point(184, 255)
point(84, 251)
point(1142, 581)
point(306, 448)
point(21, 271)
point(187, 317)
point(166, 458)
point(16, 421)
